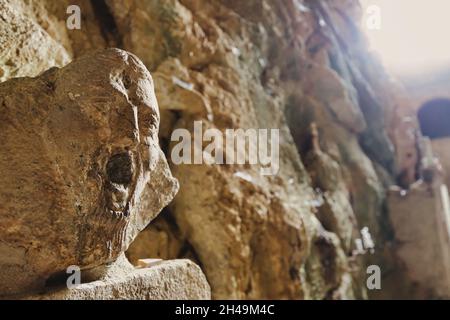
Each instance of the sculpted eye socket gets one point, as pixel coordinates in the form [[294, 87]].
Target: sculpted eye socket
[[120, 168]]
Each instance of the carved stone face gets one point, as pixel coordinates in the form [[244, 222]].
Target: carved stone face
[[84, 170]]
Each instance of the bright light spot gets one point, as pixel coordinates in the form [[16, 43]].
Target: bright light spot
[[414, 34]]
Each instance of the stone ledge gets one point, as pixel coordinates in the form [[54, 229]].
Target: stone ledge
[[169, 280]]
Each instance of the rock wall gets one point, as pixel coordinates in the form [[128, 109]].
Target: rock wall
[[297, 65], [424, 246]]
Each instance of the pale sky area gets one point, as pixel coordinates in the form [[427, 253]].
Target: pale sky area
[[414, 36]]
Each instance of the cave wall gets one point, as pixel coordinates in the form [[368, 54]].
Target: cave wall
[[299, 66]]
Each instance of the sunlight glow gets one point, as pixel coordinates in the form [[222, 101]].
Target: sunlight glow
[[414, 36]]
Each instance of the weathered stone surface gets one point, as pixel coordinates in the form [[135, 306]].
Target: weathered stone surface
[[82, 171], [32, 41], [421, 219], [259, 64], [244, 66], [169, 280], [252, 65], [441, 148]]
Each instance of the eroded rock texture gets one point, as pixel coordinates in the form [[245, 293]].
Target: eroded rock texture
[[272, 65], [82, 171], [297, 65], [169, 280]]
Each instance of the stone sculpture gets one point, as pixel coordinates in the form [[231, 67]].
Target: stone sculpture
[[81, 169]]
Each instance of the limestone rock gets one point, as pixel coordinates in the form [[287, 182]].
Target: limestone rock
[[243, 64], [82, 170], [170, 280], [421, 219], [331, 90], [442, 151], [32, 41], [247, 62]]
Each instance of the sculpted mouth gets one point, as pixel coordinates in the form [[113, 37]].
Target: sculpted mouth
[[120, 169], [120, 172], [119, 215]]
